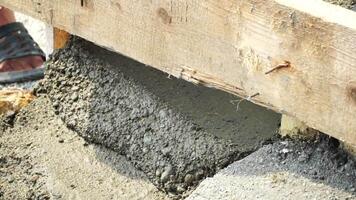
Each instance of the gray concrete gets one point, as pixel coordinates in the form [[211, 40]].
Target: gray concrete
[[175, 132], [285, 170]]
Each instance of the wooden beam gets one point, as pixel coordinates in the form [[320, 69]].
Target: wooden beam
[[60, 38], [297, 57], [293, 128]]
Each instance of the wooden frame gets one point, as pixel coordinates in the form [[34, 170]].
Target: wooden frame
[[297, 57]]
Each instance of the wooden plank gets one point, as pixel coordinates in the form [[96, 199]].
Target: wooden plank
[[293, 128], [307, 47], [13, 100], [60, 38]]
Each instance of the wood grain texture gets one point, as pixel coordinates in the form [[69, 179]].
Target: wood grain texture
[[230, 45], [60, 38]]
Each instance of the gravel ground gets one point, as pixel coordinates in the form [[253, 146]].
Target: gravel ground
[[286, 170], [344, 3], [38, 162]]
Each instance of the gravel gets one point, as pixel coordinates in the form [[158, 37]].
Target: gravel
[[286, 170]]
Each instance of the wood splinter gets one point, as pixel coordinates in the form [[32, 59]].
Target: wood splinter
[[280, 66]]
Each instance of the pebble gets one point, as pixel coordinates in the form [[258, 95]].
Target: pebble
[[147, 140], [158, 173], [285, 150], [165, 151], [75, 88], [199, 174], [56, 104], [188, 179], [167, 172], [34, 178], [74, 96], [303, 157], [180, 189], [11, 180]]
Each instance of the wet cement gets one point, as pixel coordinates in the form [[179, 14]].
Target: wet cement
[[175, 132]]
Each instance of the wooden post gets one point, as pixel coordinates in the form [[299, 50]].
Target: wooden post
[[60, 38], [294, 128]]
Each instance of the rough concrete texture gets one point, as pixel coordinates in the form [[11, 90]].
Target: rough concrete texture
[[286, 170], [98, 94], [40, 158], [344, 3]]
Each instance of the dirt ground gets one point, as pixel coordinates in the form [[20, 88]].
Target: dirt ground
[[40, 158]]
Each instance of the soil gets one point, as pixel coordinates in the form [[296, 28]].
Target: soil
[[40, 158], [286, 170], [140, 113]]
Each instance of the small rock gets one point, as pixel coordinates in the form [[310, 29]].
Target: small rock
[[158, 173], [180, 189], [61, 141], [188, 179], [199, 174], [167, 172], [286, 143], [303, 157], [34, 178], [11, 180], [75, 88], [165, 151], [147, 140], [74, 96], [57, 96], [10, 114], [285, 150], [56, 104]]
